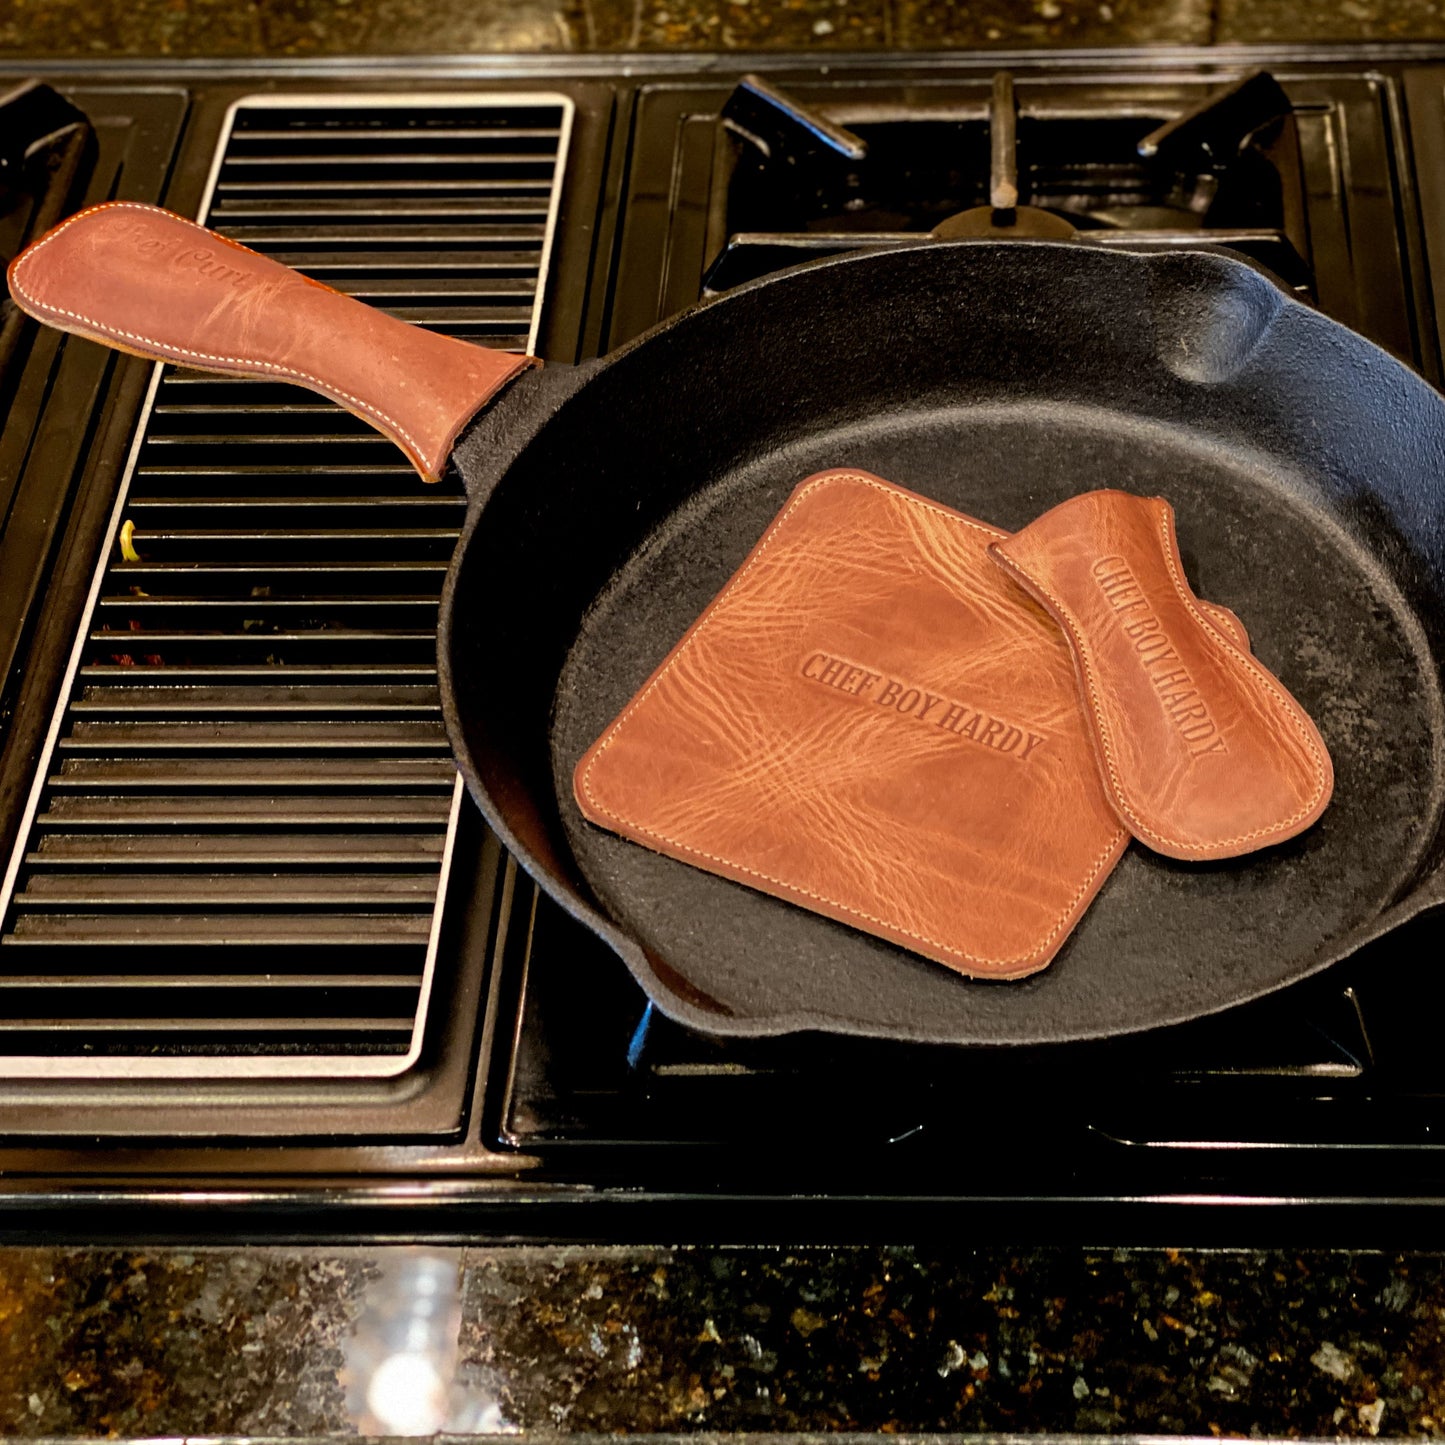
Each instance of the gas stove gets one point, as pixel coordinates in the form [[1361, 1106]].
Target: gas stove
[[261, 950]]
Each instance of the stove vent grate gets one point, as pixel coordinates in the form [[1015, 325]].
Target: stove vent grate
[[240, 827]]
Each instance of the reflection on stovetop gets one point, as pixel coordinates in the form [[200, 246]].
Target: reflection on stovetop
[[46, 148]]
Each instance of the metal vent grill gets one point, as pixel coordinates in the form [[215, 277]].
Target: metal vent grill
[[240, 828]]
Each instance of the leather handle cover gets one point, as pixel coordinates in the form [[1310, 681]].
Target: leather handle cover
[[1203, 753], [146, 281]]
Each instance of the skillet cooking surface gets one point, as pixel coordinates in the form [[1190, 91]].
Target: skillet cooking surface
[[1304, 466], [1164, 941]]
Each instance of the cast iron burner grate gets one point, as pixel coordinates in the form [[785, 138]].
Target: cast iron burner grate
[[799, 184]]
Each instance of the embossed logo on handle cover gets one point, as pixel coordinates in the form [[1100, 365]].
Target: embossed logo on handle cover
[[1203, 752]]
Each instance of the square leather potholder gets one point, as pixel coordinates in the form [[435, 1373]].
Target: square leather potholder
[[871, 720]]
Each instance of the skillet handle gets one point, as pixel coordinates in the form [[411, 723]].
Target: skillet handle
[[144, 280]]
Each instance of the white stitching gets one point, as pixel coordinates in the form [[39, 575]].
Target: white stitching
[[600, 747], [1290, 708], [174, 352]]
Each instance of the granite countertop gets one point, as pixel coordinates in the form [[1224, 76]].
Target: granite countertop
[[274, 1342], [96, 28]]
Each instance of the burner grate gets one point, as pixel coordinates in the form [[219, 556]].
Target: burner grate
[[795, 184], [240, 827]]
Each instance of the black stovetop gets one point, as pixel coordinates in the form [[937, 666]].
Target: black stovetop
[[580, 1089]]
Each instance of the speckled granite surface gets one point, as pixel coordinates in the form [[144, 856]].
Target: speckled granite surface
[[316, 27], [279, 1342]]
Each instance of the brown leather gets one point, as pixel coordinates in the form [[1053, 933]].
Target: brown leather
[[144, 280], [871, 721], [1226, 621], [1203, 752]]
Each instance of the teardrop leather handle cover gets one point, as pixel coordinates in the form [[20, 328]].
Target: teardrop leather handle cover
[[144, 280], [1203, 752]]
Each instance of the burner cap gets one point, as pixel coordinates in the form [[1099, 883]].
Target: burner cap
[[1021, 223]]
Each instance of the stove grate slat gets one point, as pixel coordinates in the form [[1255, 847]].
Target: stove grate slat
[[251, 756]]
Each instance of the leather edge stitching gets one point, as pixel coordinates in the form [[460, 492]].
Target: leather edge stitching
[[1038, 956], [430, 466]]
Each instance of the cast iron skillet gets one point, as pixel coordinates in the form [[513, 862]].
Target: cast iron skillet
[[611, 502]]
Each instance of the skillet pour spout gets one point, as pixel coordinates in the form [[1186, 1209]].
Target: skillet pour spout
[[995, 377]]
